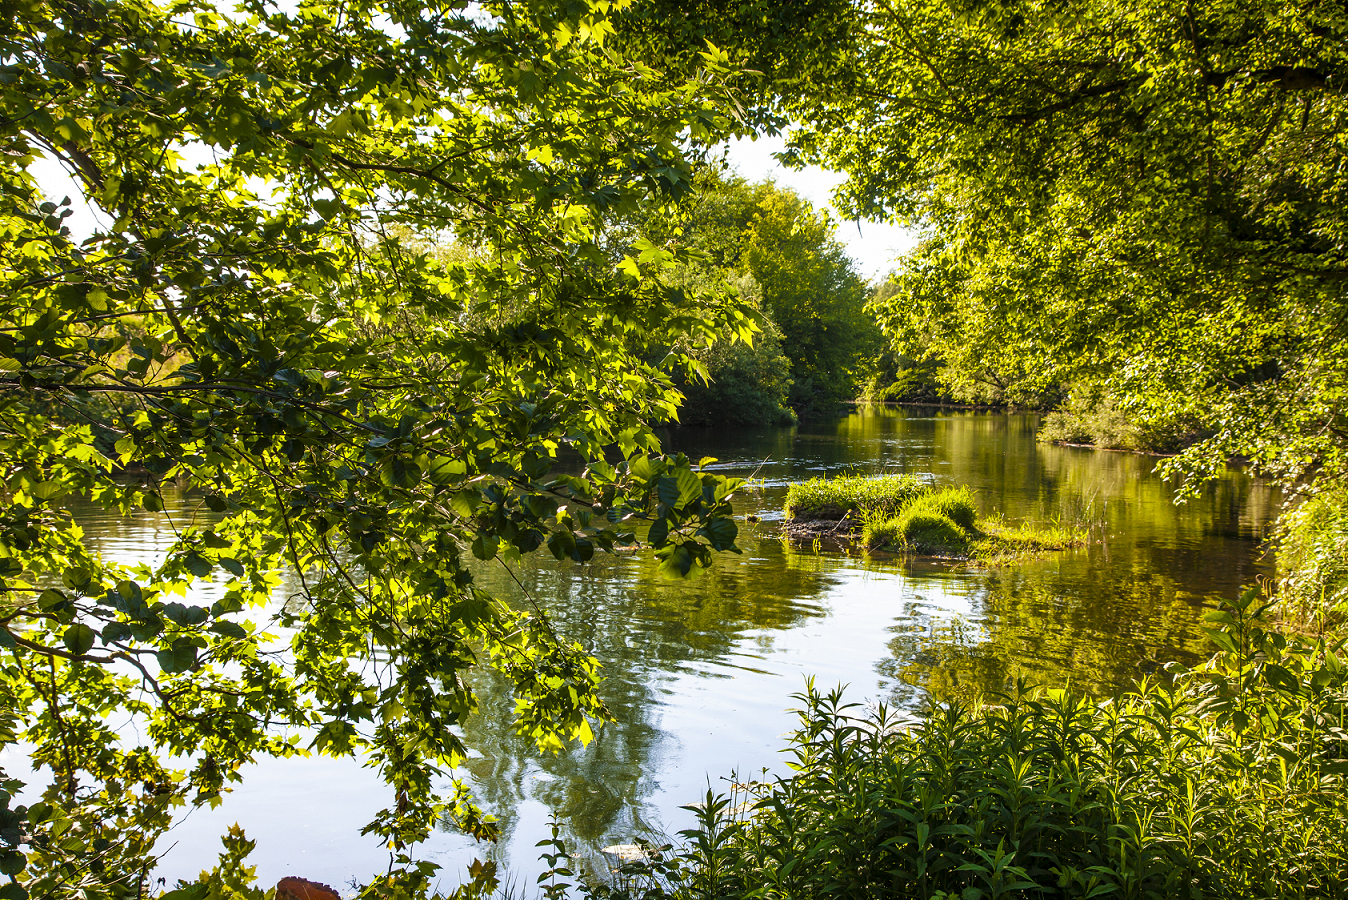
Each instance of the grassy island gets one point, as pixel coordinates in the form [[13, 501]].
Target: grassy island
[[904, 514]]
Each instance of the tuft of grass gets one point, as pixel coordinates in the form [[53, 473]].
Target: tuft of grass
[[1000, 543], [902, 514], [918, 530], [938, 522], [831, 499], [955, 504]]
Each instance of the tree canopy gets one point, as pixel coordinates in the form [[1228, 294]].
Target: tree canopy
[[1140, 193], [809, 285], [259, 318]]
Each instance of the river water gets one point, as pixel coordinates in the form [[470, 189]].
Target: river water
[[700, 674]]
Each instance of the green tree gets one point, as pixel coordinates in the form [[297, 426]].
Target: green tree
[[744, 384], [1132, 193], [273, 331], [809, 286]]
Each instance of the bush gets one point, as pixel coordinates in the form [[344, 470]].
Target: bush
[[1313, 557], [1226, 783], [833, 498], [1089, 416], [956, 504]]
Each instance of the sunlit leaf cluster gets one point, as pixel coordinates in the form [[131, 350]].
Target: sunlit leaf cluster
[[348, 292]]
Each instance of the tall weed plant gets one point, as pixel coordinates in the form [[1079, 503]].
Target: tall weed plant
[[1313, 559], [1226, 781]]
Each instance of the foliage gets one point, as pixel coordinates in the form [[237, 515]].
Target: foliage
[[1137, 193], [834, 498], [894, 376], [935, 521], [917, 529], [953, 503], [1313, 558], [745, 384], [809, 286], [380, 421], [1092, 416], [997, 543], [944, 522], [1227, 781]]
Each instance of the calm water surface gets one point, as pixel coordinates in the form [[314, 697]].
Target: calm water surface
[[700, 674]]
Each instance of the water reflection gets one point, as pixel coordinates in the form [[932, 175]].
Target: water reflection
[[698, 674]]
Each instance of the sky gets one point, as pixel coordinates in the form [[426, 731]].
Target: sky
[[873, 245]]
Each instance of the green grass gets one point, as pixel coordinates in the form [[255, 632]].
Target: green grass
[[830, 499], [902, 514], [937, 522], [1001, 543]]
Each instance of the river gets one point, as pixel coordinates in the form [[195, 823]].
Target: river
[[700, 674]]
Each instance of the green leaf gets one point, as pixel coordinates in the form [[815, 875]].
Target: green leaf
[[13, 891], [115, 632], [79, 638], [1281, 679], [229, 629], [690, 487], [562, 544], [667, 491], [446, 469], [399, 471], [180, 657], [721, 533], [678, 563], [197, 564], [215, 541], [12, 862], [485, 546]]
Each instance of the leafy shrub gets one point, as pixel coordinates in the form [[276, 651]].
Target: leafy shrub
[[1090, 416], [1227, 782], [1313, 556], [833, 498]]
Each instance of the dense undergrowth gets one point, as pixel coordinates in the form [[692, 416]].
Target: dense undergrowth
[[1227, 781], [1313, 560], [904, 514], [1088, 415]]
